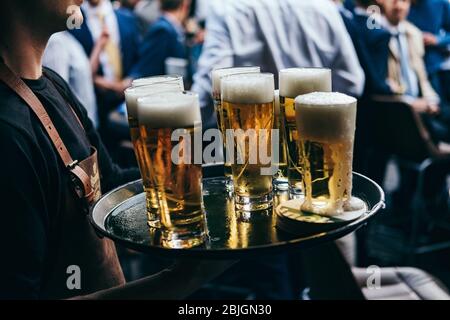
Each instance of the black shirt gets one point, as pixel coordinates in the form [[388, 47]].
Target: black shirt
[[33, 180]]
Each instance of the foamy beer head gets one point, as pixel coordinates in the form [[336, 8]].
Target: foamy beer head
[[255, 88], [159, 79], [170, 110], [326, 125], [134, 93], [218, 74], [326, 116], [298, 81]]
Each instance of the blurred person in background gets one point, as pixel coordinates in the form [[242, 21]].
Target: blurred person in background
[[164, 39], [147, 12], [433, 18], [407, 75], [276, 35], [363, 38], [129, 4], [119, 53], [66, 56]]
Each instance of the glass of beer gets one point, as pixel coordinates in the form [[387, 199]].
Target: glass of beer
[[131, 96], [222, 116], [169, 123], [248, 100], [326, 125], [295, 82], [158, 79], [280, 180]]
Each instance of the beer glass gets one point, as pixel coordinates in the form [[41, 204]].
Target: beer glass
[[280, 180], [222, 116], [169, 123], [326, 124], [248, 101], [131, 96], [295, 82], [158, 79]]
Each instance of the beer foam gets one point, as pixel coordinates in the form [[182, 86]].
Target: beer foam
[[218, 74], [170, 110], [326, 116], [248, 88], [134, 93], [298, 81], [158, 79]]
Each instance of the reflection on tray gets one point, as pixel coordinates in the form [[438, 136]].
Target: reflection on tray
[[122, 217]]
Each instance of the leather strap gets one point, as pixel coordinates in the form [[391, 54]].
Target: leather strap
[[23, 91]]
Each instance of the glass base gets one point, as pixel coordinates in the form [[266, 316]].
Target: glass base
[[177, 240], [281, 184], [153, 214], [248, 204], [295, 192], [229, 185], [154, 223], [153, 220]]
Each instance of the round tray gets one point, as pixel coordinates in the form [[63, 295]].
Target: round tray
[[121, 216]]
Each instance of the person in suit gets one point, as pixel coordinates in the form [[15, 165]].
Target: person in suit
[[117, 56], [406, 72], [432, 17], [164, 39], [362, 37]]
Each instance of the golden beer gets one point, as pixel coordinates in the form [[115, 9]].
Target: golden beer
[[281, 178], [326, 125], [222, 115], [248, 100], [177, 178], [132, 95], [295, 82]]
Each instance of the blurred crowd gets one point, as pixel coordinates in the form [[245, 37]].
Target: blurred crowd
[[393, 55]]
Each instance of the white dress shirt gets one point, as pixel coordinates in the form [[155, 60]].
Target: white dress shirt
[[94, 23], [276, 35], [65, 55]]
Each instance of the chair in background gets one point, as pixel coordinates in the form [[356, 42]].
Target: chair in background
[[330, 276], [400, 132]]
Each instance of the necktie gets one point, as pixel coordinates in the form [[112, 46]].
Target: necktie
[[409, 78], [112, 52]]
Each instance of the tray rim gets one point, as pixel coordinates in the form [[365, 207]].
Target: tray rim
[[297, 243]]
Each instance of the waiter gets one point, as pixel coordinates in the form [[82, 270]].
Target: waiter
[[52, 167]]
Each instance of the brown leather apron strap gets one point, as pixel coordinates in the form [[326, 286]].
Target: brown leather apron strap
[[22, 90]]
